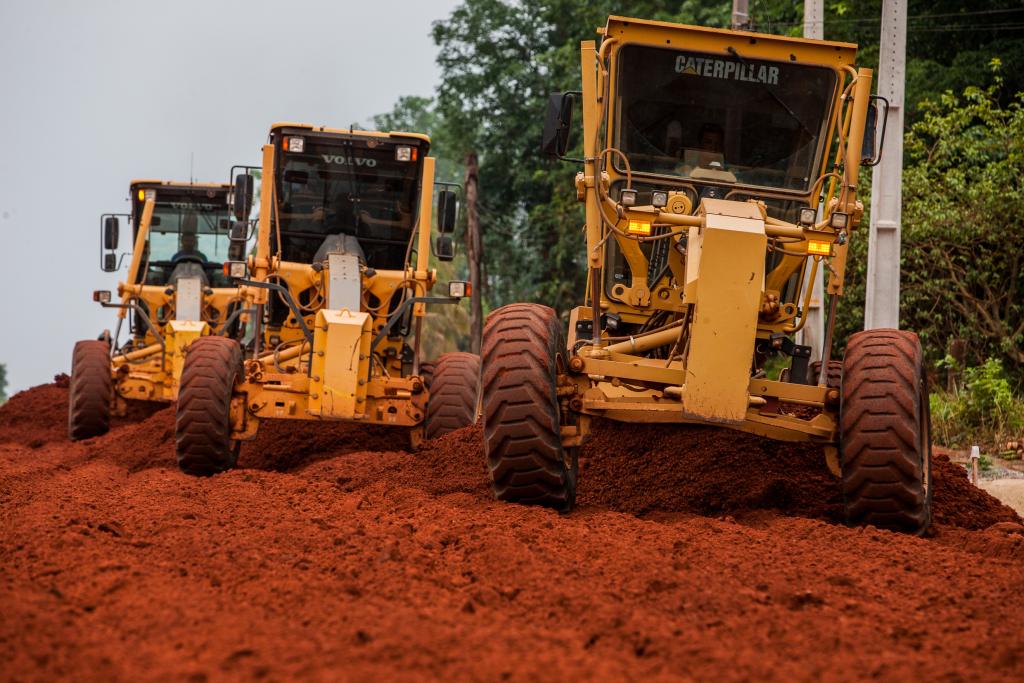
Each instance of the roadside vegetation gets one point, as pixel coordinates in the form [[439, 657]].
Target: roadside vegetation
[[982, 410]]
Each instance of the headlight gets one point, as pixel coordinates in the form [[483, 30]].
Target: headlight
[[808, 215], [458, 289], [235, 270], [102, 296], [405, 153], [294, 144], [839, 220], [659, 199], [627, 197]]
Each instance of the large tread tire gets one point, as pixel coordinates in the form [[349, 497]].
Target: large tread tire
[[833, 375], [454, 393], [427, 372], [522, 345], [885, 432], [91, 391], [213, 365]]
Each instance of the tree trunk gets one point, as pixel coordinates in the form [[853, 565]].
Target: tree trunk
[[474, 248], [954, 374]]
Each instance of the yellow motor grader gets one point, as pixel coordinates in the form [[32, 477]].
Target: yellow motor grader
[[175, 292], [706, 155], [339, 282]]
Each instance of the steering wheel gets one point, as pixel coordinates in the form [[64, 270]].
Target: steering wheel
[[189, 258]]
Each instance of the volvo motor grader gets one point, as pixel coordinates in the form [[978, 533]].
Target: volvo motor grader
[[175, 292], [706, 154], [339, 282]]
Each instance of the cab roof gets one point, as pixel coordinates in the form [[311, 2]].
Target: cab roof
[[747, 43], [349, 131], [178, 185]]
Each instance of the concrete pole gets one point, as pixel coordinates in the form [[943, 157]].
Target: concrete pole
[[813, 332], [882, 305], [740, 14]]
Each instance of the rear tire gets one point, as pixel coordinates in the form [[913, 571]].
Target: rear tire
[[91, 390], [522, 346], [213, 365], [833, 375], [454, 393], [885, 432], [427, 372]]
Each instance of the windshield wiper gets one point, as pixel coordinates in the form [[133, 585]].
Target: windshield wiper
[[731, 50]]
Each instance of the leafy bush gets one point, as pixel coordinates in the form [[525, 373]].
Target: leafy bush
[[984, 412]]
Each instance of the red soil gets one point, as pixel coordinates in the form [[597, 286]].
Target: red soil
[[334, 554]]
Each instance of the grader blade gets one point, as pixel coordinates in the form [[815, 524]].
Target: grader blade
[[725, 274]]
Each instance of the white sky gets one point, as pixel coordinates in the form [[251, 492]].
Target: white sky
[[93, 94]]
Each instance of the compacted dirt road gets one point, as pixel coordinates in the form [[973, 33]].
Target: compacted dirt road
[[696, 554]]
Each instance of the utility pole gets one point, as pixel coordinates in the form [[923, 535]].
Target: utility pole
[[882, 305], [740, 14], [813, 332], [474, 246]]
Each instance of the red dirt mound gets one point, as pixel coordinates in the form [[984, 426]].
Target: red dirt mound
[[407, 571], [35, 416], [648, 468], [652, 468], [40, 415], [449, 464], [958, 502], [283, 445]]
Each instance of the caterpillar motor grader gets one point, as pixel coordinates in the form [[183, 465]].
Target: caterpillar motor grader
[[706, 153], [339, 282], [175, 292]]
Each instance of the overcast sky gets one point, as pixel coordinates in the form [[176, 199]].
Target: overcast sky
[[93, 94]]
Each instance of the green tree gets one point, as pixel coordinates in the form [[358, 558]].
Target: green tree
[[3, 382], [963, 215], [446, 327]]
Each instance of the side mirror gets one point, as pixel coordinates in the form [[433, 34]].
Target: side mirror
[[237, 238], [446, 206], [111, 228], [444, 248], [557, 124], [239, 232], [243, 196], [874, 139], [109, 263]]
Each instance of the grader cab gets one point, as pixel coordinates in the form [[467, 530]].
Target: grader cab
[[339, 282], [175, 292], [720, 174]]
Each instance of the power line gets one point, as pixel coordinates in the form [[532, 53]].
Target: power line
[[875, 20]]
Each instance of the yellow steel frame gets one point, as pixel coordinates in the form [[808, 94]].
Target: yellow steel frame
[[280, 384], [610, 381], [152, 373]]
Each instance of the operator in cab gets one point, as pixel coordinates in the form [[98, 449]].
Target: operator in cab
[[188, 241]]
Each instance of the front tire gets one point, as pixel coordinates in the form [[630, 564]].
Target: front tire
[[885, 432], [522, 345], [213, 365], [91, 390]]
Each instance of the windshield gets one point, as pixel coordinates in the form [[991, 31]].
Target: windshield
[[724, 119], [188, 225], [357, 187]]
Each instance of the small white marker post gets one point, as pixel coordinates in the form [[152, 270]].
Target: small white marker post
[[975, 457]]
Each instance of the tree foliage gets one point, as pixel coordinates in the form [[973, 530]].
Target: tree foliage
[[3, 382], [963, 219]]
